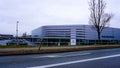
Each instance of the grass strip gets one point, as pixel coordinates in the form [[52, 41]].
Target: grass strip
[[23, 51]]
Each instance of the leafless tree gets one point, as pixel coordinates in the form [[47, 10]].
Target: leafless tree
[[98, 18], [40, 41], [24, 35]]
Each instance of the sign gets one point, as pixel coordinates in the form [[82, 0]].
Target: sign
[[73, 41]]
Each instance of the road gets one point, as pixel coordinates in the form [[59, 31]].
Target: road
[[105, 58]]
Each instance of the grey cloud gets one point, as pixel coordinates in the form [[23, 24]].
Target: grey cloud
[[36, 13]]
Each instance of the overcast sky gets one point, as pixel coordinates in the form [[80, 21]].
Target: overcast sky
[[35, 13]]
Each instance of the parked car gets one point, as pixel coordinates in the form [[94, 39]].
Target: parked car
[[14, 41]]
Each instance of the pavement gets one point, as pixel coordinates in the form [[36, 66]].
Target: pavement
[[104, 58]]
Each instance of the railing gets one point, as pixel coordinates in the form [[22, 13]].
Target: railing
[[80, 43]]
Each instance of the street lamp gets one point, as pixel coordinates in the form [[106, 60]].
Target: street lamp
[[17, 32]]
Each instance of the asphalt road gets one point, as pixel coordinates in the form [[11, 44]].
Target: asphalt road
[[106, 58]]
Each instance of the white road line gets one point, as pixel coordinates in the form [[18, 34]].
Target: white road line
[[58, 56], [76, 55], [78, 61]]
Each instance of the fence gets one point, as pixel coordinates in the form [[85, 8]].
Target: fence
[[79, 43]]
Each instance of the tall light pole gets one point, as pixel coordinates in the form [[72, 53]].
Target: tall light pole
[[17, 32]]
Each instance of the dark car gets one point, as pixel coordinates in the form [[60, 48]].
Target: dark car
[[19, 41]]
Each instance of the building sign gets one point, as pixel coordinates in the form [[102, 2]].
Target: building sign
[[73, 41]]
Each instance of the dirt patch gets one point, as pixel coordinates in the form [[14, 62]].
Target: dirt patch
[[22, 51]]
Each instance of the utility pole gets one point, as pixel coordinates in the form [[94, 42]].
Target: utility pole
[[17, 32]]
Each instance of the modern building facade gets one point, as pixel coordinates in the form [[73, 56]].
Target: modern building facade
[[74, 35]]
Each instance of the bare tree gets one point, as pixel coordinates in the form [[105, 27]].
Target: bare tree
[[98, 18], [24, 35], [40, 43]]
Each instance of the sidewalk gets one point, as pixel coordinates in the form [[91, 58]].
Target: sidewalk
[[34, 50]]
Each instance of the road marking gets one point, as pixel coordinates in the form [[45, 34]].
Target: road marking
[[58, 56], [78, 61], [76, 55]]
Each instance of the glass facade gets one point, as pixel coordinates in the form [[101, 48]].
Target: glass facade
[[82, 34]]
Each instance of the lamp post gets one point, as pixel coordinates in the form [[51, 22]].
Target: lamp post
[[17, 32]]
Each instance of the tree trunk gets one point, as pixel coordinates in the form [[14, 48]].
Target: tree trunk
[[39, 46], [99, 37]]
